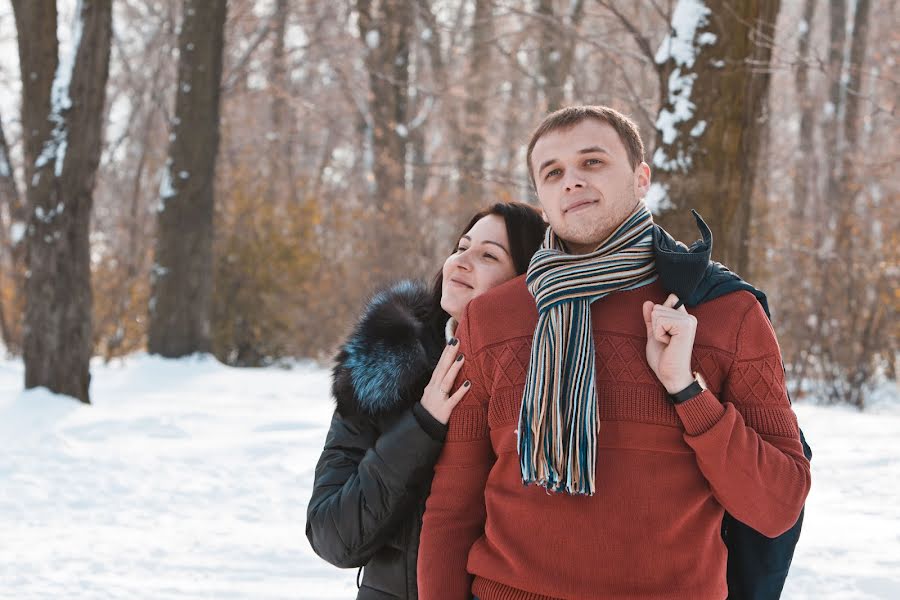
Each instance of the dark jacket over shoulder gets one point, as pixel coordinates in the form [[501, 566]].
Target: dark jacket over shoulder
[[375, 471]]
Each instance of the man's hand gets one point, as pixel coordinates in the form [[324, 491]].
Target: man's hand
[[670, 341]]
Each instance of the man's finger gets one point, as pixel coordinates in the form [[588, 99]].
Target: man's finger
[[660, 330], [671, 301], [647, 309]]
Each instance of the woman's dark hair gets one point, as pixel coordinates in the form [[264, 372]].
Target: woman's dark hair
[[525, 229]]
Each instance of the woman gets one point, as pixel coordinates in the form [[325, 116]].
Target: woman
[[393, 383]]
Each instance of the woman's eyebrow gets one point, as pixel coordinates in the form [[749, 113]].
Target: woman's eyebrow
[[498, 244]]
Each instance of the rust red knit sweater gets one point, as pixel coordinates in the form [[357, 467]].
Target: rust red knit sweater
[[664, 474]]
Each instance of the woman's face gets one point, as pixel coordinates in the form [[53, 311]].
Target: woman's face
[[481, 261]]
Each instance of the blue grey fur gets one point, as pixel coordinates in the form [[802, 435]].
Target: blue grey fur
[[389, 355]]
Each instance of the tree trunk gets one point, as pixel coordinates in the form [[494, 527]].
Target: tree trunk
[[62, 160], [181, 282], [835, 105], [13, 224], [475, 111], [282, 185], [708, 142], [557, 49], [385, 29], [805, 171]]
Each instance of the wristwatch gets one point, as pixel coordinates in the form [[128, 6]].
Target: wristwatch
[[696, 387]]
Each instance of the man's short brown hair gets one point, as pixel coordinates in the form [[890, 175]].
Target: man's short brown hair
[[566, 118]]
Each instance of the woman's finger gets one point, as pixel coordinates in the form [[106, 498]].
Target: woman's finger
[[452, 372], [453, 400], [447, 358]]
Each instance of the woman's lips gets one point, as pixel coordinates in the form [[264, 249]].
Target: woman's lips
[[462, 284]]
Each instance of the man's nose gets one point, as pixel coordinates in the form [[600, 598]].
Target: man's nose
[[573, 182]]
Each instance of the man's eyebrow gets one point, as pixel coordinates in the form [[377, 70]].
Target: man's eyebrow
[[588, 150], [545, 164], [593, 149]]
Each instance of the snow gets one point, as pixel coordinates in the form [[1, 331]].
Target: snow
[[373, 39], [16, 232], [166, 190], [657, 198], [187, 479], [5, 171], [55, 148], [682, 46], [687, 18], [698, 129]]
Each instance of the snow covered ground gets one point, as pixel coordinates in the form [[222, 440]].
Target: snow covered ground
[[187, 479]]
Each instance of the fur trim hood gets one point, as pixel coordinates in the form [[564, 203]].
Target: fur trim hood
[[388, 358]]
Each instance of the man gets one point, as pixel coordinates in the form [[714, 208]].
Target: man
[[632, 424]]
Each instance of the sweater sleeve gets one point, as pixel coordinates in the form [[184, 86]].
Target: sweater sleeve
[[748, 445], [455, 511], [364, 484]]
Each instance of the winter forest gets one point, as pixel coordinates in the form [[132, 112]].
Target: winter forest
[[237, 177], [190, 188]]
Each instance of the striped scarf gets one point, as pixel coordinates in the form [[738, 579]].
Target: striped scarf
[[558, 421]]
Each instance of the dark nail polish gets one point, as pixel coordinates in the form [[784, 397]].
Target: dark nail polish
[[466, 384], [459, 358], [453, 341]]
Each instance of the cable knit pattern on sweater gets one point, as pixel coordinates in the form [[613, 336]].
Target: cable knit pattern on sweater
[[665, 474]]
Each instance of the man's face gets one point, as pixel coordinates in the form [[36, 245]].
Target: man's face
[[585, 184]]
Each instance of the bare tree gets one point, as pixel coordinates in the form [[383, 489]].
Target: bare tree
[[182, 274], [283, 131], [385, 29], [805, 156], [62, 111], [557, 49], [475, 115], [714, 67], [13, 223]]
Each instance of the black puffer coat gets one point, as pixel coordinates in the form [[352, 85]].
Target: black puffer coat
[[375, 471]]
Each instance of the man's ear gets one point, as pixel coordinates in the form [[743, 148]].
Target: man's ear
[[641, 180]]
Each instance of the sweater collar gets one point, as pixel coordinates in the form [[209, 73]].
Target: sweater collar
[[450, 329]]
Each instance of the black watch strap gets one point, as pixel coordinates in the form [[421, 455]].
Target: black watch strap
[[687, 393]]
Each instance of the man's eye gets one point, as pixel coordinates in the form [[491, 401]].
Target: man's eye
[[552, 173], [593, 161]]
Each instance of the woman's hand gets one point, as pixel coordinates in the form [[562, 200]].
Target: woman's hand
[[439, 399]]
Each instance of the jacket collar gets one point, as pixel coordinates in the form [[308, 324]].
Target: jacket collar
[[689, 273]]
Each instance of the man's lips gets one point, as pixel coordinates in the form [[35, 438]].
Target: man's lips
[[461, 283], [578, 205]]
